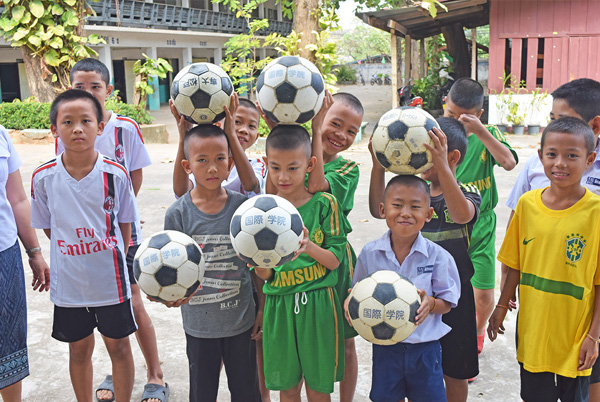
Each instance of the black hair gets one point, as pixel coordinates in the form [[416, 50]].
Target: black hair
[[456, 134], [350, 100], [287, 138], [88, 65], [574, 126], [409, 181], [73, 95], [249, 104], [582, 95], [202, 131], [467, 93]]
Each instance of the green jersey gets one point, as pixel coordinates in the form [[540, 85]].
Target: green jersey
[[342, 175], [327, 228], [477, 168]]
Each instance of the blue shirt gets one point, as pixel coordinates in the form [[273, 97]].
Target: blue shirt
[[428, 266], [9, 163]]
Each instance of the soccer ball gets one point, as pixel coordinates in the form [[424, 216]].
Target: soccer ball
[[398, 140], [167, 266], [266, 231], [290, 90], [201, 91], [383, 307]]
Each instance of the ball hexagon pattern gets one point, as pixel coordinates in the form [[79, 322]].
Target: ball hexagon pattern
[[167, 266], [201, 91], [290, 90], [266, 231], [383, 307], [398, 140]]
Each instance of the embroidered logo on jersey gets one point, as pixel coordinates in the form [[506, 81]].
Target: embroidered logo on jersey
[[317, 236], [435, 215], [109, 204], [120, 153], [483, 156], [447, 216], [575, 246]]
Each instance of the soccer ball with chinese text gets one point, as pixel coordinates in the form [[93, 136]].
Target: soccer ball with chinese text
[[201, 91], [266, 231], [167, 266], [290, 90], [383, 307], [398, 140]]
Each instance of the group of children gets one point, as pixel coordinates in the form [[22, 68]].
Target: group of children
[[277, 329]]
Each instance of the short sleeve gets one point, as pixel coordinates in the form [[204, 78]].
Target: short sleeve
[[502, 138], [343, 183], [8, 151], [334, 226], [138, 157], [40, 211], [360, 269], [173, 219], [472, 194], [127, 205], [521, 186], [509, 253]]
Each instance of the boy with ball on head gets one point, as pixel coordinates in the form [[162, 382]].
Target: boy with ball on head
[[412, 368], [85, 204], [455, 210], [303, 332], [552, 249]]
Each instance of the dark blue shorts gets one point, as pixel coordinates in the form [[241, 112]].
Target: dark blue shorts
[[406, 370]]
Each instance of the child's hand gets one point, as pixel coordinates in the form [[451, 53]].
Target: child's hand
[[183, 126], [439, 150], [472, 123], [495, 323], [270, 123], [376, 164], [303, 244], [230, 117], [346, 303], [426, 306], [317, 121], [587, 354], [257, 330], [262, 273], [176, 303]]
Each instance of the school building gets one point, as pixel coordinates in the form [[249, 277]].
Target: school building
[[180, 31]]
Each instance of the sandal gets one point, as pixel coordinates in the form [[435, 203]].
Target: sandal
[[156, 391], [107, 385]]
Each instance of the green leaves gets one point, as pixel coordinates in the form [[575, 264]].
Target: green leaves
[[18, 12], [37, 8]]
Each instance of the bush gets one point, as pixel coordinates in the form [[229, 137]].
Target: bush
[[345, 74], [136, 112], [19, 115], [263, 129]]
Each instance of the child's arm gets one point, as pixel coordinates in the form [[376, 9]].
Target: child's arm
[[48, 233], [589, 348], [321, 255], [258, 323], [244, 168], [270, 123], [499, 151], [512, 303], [316, 178], [126, 234], [181, 180], [264, 273], [430, 305], [495, 325], [137, 176], [377, 184], [461, 210]]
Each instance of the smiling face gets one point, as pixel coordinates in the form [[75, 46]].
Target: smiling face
[[405, 209], [246, 125], [340, 126], [208, 159], [287, 170], [91, 82], [77, 125], [565, 159]]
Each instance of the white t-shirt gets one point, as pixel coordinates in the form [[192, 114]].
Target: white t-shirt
[[234, 183], [532, 177], [9, 163], [122, 141], [88, 267]]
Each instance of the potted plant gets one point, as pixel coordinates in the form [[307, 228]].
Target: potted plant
[[502, 102], [536, 103], [516, 117]]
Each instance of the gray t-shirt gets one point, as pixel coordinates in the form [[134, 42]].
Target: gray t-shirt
[[223, 306]]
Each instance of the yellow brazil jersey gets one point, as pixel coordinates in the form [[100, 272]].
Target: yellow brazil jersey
[[558, 254]]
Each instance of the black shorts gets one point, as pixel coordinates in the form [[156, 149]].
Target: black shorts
[[595, 376], [459, 346], [72, 324], [550, 387], [129, 259]]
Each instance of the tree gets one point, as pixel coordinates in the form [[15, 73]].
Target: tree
[[364, 42], [51, 37], [146, 72]]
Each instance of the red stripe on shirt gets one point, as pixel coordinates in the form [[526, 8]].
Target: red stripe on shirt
[[135, 124], [108, 235], [36, 172], [117, 165]]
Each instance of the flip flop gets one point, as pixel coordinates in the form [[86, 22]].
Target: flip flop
[[107, 385], [156, 391]]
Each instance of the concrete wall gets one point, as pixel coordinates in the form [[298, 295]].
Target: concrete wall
[[524, 100]]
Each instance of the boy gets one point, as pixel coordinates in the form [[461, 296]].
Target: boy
[[219, 318], [303, 322], [552, 249], [487, 147], [455, 210], [411, 369], [122, 141], [334, 130], [85, 204]]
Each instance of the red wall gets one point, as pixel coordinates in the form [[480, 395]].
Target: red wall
[[571, 41]]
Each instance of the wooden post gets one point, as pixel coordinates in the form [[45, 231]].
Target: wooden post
[[407, 59], [394, 40], [423, 61], [474, 53]]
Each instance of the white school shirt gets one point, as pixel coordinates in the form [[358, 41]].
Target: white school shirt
[[122, 141], [9, 163], [88, 267], [234, 183], [428, 266], [532, 177]]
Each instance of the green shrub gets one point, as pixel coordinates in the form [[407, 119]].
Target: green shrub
[[345, 74], [19, 115], [263, 129], [136, 112]]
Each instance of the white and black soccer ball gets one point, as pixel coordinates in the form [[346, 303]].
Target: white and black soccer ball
[[266, 231], [383, 307], [398, 140], [167, 266], [290, 90], [201, 91]]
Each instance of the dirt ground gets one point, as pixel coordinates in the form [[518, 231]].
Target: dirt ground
[[49, 379]]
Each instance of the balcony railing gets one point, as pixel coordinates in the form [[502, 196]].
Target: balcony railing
[[161, 16]]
